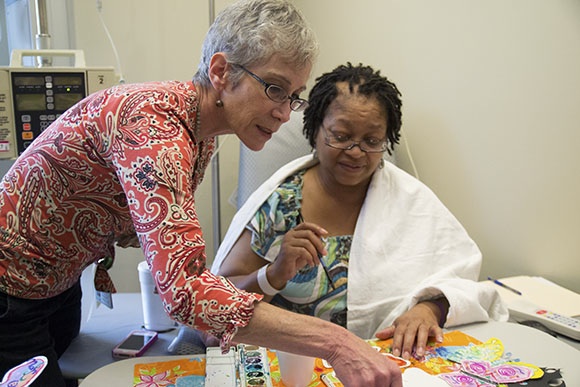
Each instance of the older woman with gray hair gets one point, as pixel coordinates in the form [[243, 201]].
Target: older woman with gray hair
[[122, 166]]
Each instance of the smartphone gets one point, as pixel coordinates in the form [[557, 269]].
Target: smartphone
[[135, 344]]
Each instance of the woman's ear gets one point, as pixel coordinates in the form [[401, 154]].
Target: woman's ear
[[218, 67]]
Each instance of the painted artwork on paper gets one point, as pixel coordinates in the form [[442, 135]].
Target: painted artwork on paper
[[187, 372], [459, 361], [482, 374], [463, 361], [24, 374]]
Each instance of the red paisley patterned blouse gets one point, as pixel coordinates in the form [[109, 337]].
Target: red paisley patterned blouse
[[121, 161]]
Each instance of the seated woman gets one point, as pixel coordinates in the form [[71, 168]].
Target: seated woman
[[346, 236]]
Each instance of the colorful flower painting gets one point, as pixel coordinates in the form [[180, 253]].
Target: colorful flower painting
[[186, 372]]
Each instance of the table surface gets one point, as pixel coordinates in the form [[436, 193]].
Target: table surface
[[105, 329], [527, 344], [91, 351]]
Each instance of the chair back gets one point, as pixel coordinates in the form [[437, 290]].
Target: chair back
[[255, 167]]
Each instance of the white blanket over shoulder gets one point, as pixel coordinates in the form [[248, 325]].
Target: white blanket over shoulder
[[407, 247]]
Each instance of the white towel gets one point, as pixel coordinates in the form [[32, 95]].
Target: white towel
[[407, 247]]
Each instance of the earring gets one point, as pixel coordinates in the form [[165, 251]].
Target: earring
[[315, 154], [382, 163], [219, 103]]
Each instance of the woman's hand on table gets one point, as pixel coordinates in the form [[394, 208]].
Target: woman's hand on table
[[412, 330]]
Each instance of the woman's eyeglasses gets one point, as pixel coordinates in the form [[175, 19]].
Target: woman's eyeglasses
[[277, 93], [345, 142]]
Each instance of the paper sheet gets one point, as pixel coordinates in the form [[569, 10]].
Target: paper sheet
[[542, 292]]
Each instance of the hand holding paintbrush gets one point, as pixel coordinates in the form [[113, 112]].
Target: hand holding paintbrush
[[301, 247], [301, 220]]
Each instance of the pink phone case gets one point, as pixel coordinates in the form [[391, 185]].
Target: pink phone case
[[134, 344]]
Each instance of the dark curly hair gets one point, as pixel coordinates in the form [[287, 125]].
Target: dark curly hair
[[370, 83]]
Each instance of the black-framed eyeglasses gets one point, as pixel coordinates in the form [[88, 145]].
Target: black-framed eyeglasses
[[345, 142], [277, 93]]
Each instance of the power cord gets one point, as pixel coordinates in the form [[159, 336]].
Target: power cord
[[222, 141], [99, 9], [410, 155]]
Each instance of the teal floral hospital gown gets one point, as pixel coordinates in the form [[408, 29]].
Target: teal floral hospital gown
[[309, 292]]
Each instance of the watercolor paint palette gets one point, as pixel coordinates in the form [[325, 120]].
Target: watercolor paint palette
[[243, 366], [253, 366]]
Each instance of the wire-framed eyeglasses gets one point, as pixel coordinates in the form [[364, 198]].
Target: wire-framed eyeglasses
[[277, 93], [345, 142]]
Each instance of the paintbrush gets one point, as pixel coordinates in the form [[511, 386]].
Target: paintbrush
[[301, 220], [475, 376]]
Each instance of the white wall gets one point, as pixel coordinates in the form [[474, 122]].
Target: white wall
[[491, 97], [491, 91]]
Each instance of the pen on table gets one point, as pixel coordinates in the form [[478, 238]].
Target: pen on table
[[497, 282], [301, 220]]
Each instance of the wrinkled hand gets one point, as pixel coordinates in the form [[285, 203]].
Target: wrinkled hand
[[300, 247], [412, 330], [356, 363]]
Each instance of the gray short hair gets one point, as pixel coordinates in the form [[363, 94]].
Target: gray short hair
[[250, 32]]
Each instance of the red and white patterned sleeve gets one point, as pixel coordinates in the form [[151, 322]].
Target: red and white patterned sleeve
[[159, 166]]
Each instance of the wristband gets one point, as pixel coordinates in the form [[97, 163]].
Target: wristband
[[264, 284]]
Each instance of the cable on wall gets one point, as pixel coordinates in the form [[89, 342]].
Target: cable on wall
[[99, 8], [410, 155]]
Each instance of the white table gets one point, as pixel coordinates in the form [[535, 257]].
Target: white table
[[103, 331], [106, 328], [525, 343]]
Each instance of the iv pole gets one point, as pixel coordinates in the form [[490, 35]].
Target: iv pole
[[43, 41]]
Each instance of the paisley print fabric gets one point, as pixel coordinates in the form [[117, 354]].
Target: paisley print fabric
[[309, 292], [123, 162]]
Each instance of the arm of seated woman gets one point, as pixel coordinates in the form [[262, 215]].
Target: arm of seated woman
[[300, 247], [242, 264]]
